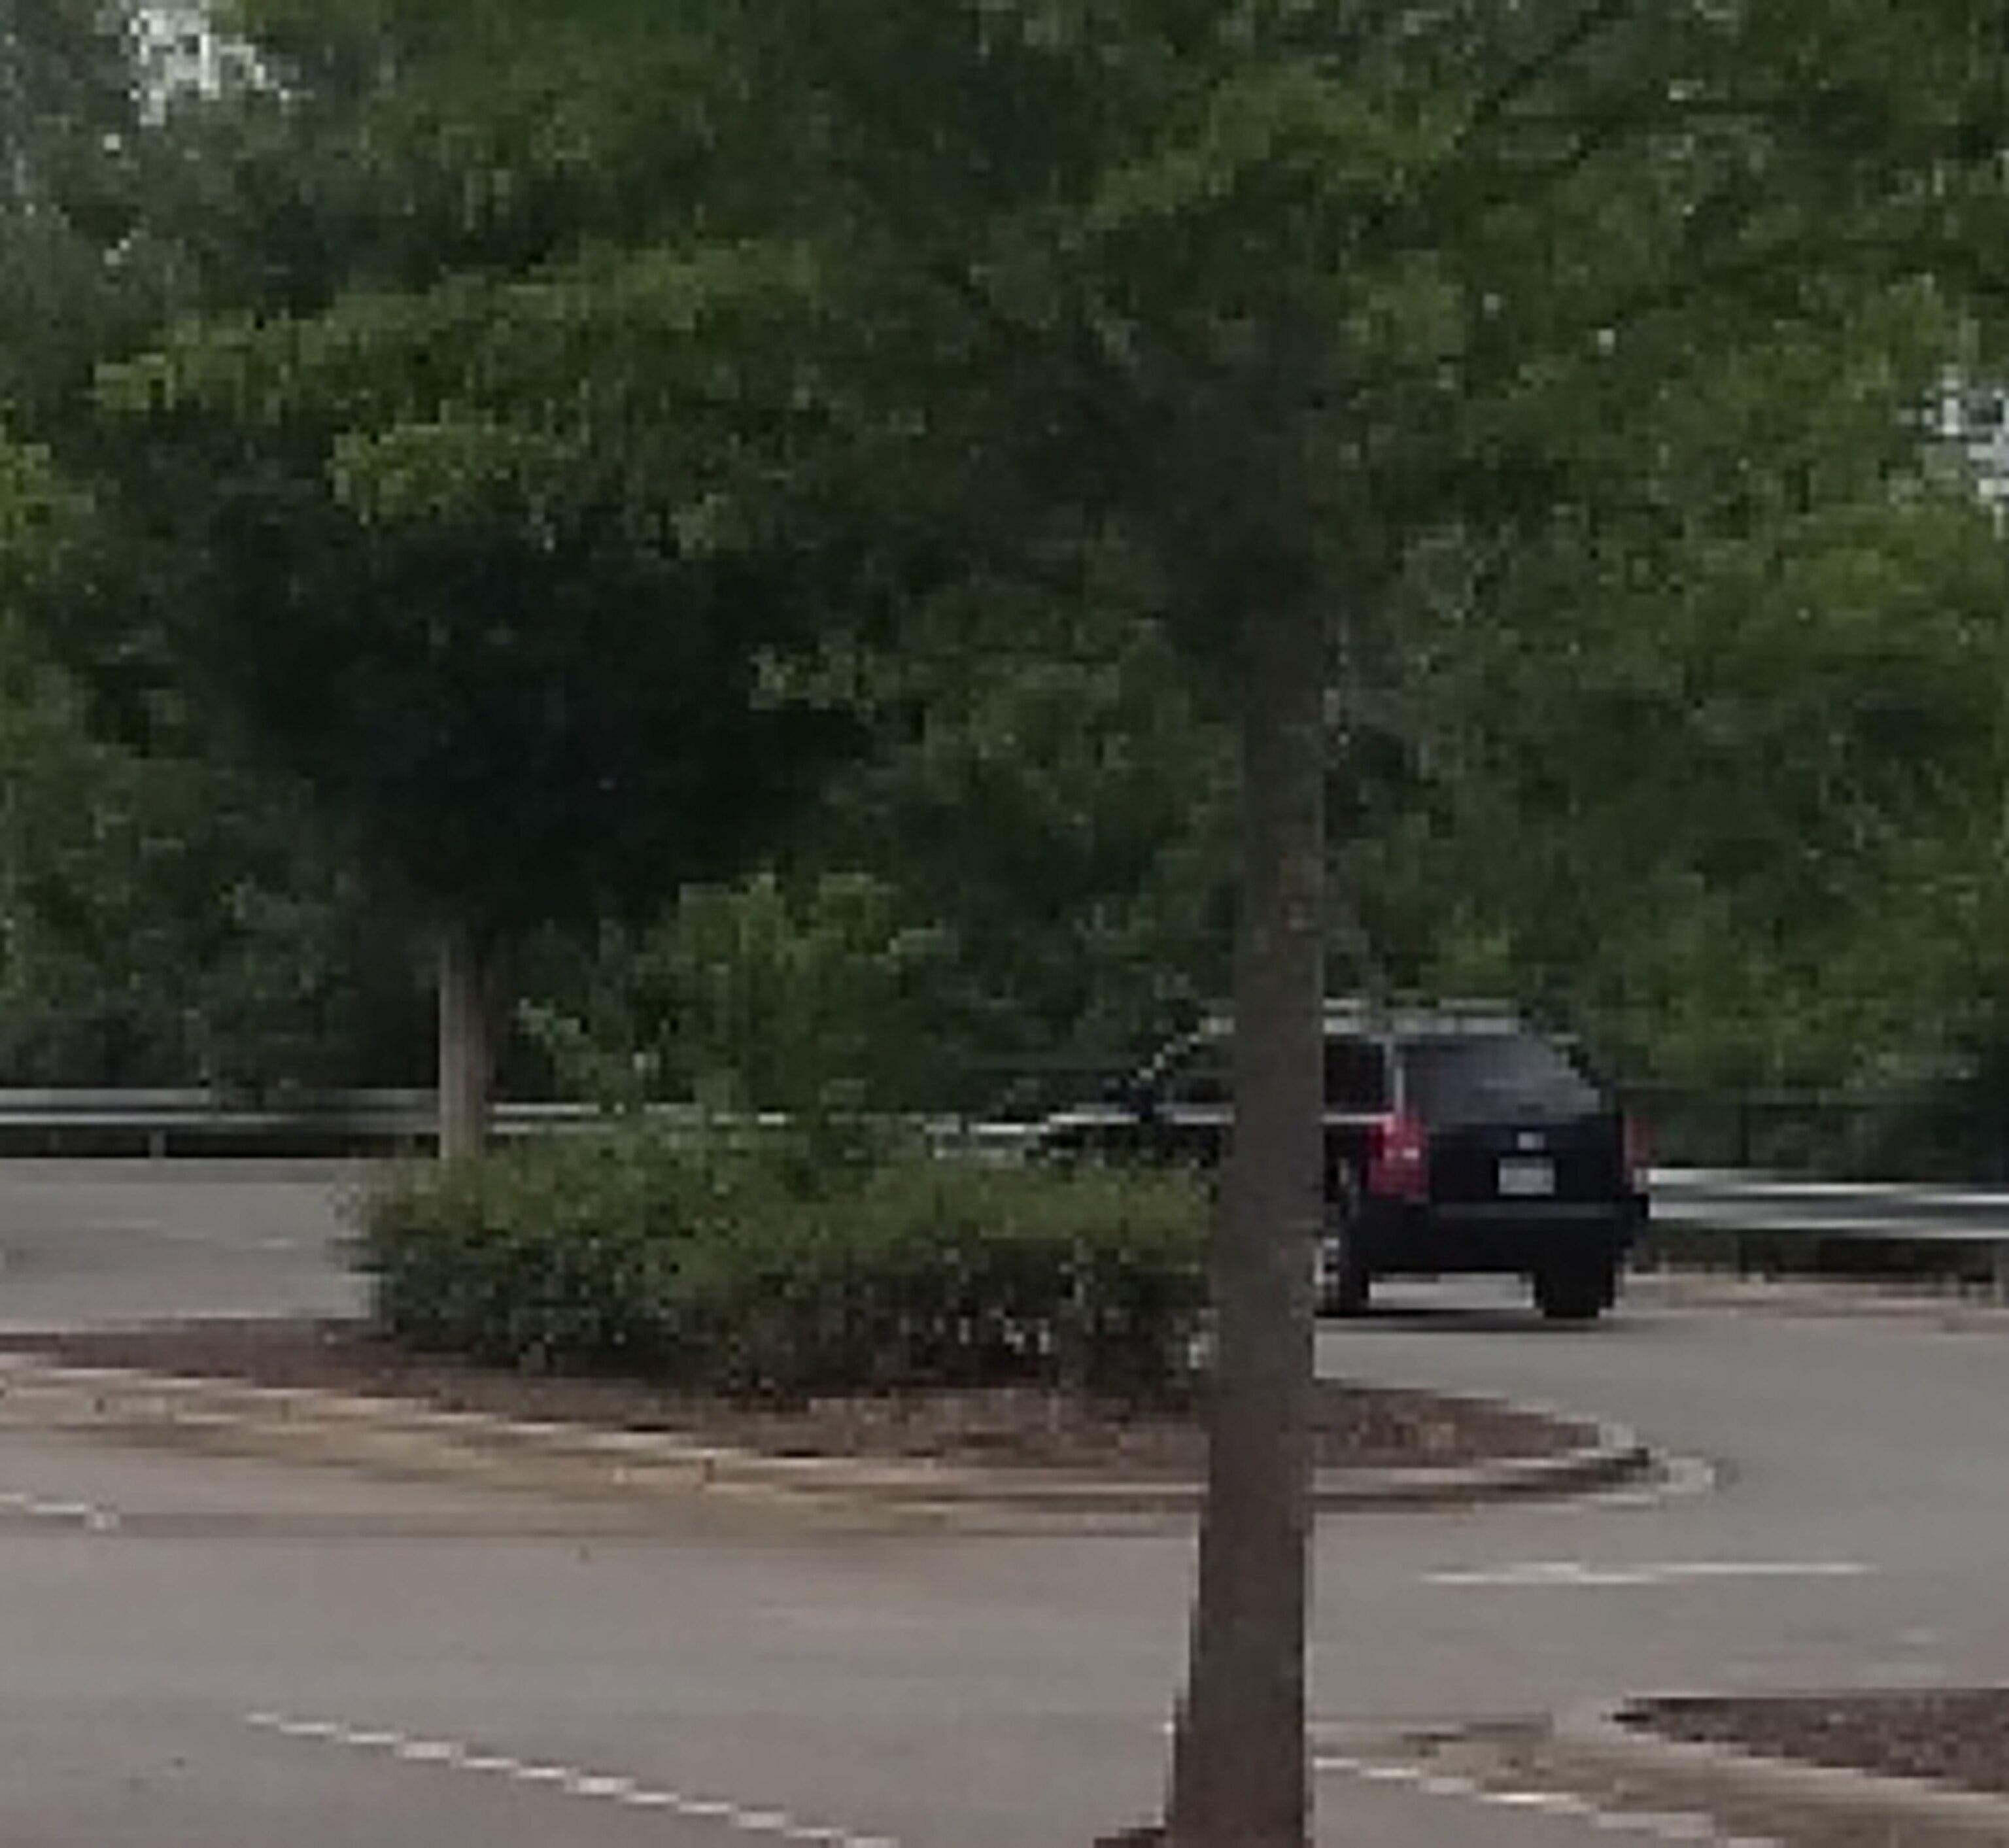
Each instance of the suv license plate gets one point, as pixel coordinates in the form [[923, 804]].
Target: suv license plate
[[1527, 1179]]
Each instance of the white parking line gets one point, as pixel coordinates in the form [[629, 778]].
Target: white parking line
[[86, 1515], [1657, 1825], [1580, 1575], [568, 1780]]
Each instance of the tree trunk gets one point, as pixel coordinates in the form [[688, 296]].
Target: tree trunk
[[469, 965], [1240, 1771]]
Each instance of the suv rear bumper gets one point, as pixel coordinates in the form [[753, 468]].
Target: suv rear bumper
[[1513, 1238]]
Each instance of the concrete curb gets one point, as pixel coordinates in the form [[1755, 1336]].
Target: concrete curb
[[1900, 1810], [1818, 1298], [312, 1426]]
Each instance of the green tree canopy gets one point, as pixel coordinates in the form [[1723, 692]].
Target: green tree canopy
[[475, 499]]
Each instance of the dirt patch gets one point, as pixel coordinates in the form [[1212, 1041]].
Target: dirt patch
[[1959, 1737], [1355, 1426]]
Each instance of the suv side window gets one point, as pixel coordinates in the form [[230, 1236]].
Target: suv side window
[[1356, 1076]]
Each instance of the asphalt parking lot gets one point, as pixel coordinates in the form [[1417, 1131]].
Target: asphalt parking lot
[[220, 1650]]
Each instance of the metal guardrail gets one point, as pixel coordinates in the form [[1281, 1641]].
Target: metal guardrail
[[193, 1122], [1743, 1203], [1873, 1209], [161, 1124], [166, 1123]]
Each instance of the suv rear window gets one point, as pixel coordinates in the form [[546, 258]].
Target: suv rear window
[[1468, 1079]]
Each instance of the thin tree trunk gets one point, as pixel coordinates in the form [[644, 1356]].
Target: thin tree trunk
[[468, 969], [1240, 1774]]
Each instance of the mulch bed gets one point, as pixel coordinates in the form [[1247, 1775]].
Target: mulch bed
[[1959, 1737], [1355, 1426]]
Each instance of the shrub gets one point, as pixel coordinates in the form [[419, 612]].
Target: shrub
[[794, 1266]]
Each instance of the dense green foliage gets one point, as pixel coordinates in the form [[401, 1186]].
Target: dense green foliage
[[433, 461], [167, 915], [548, 438], [169, 921], [451, 495], [786, 1269]]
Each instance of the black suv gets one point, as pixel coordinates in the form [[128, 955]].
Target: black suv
[[1459, 1139]]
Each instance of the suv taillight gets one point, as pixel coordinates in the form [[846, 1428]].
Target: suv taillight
[[1398, 1158], [1639, 1151]]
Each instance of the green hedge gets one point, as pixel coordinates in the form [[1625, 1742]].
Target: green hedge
[[794, 1268]]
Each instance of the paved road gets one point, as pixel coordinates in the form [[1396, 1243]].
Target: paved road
[[217, 1651], [111, 1242]]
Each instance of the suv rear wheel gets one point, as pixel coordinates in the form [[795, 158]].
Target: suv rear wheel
[[1577, 1291]]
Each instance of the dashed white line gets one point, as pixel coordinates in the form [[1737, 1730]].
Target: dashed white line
[[1368, 1771], [486, 1764], [608, 1789], [214, 1241], [1556, 1802], [1678, 1477], [1582, 1575], [556, 1777], [1438, 1783], [1657, 1825], [1674, 1826], [86, 1515], [568, 1780]]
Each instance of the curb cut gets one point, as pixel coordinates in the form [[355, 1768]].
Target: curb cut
[[1908, 1810], [308, 1425]]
